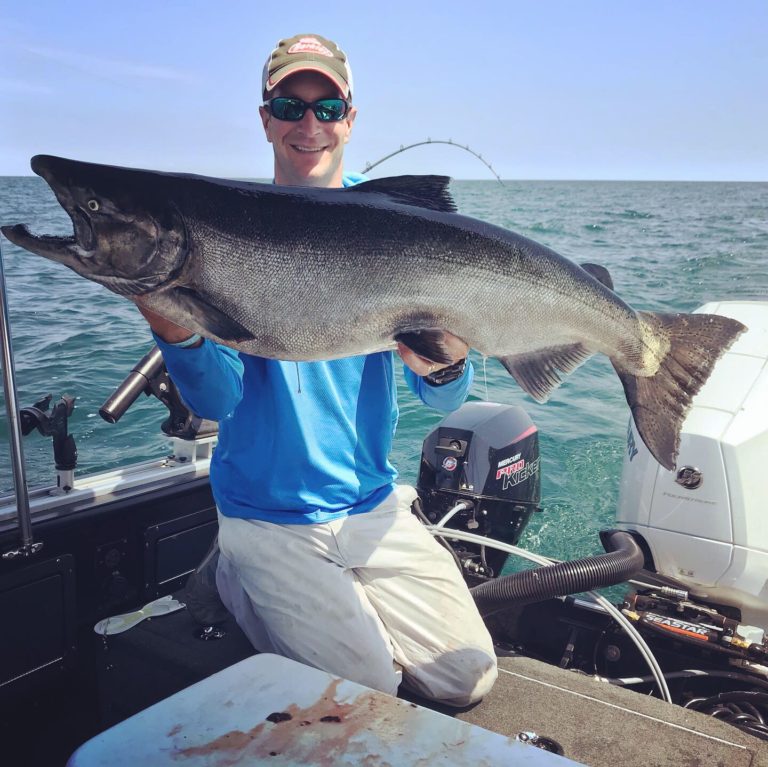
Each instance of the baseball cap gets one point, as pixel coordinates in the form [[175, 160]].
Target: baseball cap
[[307, 53]]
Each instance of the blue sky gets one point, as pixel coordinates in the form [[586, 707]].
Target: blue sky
[[549, 89]]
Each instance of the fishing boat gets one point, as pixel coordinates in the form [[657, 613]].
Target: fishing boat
[[115, 650]]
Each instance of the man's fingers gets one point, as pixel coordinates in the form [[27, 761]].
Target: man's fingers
[[167, 330], [423, 366], [420, 365]]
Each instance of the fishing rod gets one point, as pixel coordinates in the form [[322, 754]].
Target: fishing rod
[[450, 142]]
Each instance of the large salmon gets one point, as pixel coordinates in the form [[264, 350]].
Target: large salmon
[[301, 274]]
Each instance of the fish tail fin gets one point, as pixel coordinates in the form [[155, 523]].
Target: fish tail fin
[[688, 347]]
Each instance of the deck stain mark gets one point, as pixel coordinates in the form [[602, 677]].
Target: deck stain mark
[[363, 725], [279, 716]]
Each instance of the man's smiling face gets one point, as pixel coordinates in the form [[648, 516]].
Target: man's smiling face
[[307, 152]]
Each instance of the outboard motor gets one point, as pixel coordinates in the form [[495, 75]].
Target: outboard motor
[[480, 473], [702, 524]]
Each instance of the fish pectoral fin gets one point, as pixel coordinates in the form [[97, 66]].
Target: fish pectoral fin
[[208, 316], [600, 273], [537, 373], [429, 192], [428, 343]]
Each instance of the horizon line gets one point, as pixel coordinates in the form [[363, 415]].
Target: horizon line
[[491, 180]]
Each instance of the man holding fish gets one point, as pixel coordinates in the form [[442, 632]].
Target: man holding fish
[[321, 558], [297, 287]]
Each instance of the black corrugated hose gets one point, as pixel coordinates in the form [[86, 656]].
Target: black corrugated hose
[[624, 560]]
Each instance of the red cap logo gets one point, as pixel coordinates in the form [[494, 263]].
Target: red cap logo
[[310, 45]]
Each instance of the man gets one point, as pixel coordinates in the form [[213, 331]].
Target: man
[[321, 559]]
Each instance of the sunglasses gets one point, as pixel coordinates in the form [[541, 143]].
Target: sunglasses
[[292, 110]]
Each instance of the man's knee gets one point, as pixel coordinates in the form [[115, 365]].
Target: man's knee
[[458, 678], [470, 679]]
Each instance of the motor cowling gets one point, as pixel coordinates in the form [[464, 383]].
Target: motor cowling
[[485, 455], [703, 523]]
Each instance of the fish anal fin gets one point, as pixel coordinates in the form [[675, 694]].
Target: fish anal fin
[[600, 273], [429, 192], [660, 403], [427, 343], [538, 373], [207, 316]]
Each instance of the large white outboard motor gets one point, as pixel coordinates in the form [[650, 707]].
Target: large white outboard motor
[[706, 524]]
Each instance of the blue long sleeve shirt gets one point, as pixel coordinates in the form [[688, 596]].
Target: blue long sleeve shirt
[[300, 442]]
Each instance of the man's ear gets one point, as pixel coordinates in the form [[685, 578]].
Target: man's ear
[[266, 117], [350, 119]]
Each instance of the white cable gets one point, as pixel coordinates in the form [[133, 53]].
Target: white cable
[[631, 631], [621, 681], [460, 506]]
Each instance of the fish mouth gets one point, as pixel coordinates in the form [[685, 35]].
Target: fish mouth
[[64, 249], [56, 248], [116, 241]]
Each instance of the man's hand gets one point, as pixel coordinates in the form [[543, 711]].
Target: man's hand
[[167, 330], [422, 366]]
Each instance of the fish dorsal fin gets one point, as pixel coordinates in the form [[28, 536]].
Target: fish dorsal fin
[[538, 372], [429, 192], [600, 273]]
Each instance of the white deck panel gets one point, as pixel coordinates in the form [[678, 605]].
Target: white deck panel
[[270, 710]]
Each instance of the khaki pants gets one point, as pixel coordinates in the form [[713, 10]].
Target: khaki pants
[[362, 598]]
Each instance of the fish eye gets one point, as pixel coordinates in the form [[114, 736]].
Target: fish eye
[[93, 205]]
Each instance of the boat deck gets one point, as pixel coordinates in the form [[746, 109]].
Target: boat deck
[[599, 724]]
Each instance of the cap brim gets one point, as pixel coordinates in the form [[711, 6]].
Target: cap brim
[[305, 66]]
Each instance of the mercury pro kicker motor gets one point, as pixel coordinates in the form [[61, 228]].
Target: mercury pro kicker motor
[[480, 473]]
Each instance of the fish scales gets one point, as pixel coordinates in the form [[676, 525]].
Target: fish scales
[[450, 279]]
